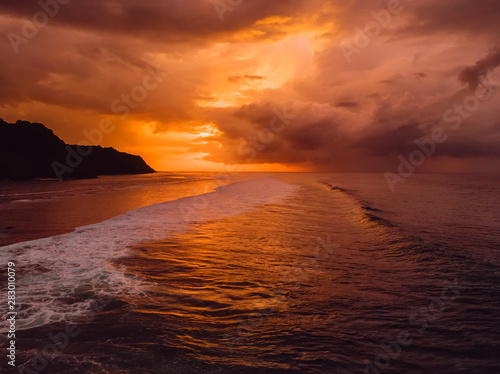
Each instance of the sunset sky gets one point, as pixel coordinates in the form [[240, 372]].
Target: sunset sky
[[290, 85]]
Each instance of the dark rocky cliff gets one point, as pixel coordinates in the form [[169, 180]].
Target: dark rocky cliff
[[31, 150]]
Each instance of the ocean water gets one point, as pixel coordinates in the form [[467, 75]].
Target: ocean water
[[254, 273]]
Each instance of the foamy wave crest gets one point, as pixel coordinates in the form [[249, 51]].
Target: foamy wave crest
[[58, 278]]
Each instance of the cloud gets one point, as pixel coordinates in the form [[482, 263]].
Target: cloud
[[178, 21], [245, 78], [471, 75], [232, 75], [471, 18]]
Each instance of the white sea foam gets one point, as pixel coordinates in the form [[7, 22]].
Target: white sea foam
[[58, 277], [30, 200]]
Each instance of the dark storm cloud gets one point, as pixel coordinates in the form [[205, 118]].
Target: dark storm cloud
[[463, 17], [348, 104], [245, 78], [472, 74], [384, 141], [465, 149], [309, 134], [173, 20]]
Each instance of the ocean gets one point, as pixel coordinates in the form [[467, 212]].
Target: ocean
[[253, 273]]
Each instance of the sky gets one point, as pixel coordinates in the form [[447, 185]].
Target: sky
[[262, 85]]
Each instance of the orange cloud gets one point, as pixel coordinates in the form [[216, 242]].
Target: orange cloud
[[225, 79]]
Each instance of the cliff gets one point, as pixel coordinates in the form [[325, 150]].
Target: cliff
[[31, 150]]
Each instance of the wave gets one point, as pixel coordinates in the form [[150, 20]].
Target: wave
[[34, 193], [30, 200], [369, 212], [397, 238], [58, 277]]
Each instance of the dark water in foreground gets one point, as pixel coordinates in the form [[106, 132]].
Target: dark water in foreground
[[269, 275]]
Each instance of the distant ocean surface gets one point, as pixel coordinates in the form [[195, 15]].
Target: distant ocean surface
[[254, 273]]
